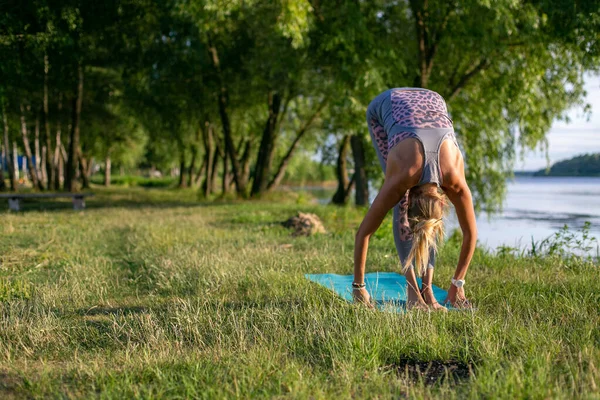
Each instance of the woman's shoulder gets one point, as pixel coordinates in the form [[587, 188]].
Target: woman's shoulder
[[451, 164]]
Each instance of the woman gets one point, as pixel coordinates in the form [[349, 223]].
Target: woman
[[414, 139]]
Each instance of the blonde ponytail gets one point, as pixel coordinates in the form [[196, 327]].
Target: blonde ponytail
[[425, 215]]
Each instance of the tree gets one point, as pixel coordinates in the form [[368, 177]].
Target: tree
[[233, 90], [7, 149], [241, 40], [74, 151], [507, 71], [345, 185]]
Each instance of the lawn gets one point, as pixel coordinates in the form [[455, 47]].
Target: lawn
[[151, 293]]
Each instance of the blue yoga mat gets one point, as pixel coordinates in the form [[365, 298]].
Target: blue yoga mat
[[387, 289]]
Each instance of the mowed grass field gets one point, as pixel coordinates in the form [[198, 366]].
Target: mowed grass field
[[154, 294]]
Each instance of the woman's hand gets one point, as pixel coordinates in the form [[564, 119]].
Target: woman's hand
[[362, 296], [456, 297]]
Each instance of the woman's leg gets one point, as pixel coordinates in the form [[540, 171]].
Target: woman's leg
[[402, 237], [427, 282], [403, 241]]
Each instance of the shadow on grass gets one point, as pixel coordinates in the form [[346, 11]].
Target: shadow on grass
[[431, 372], [101, 310], [105, 311], [57, 205], [134, 198], [10, 384], [139, 197], [97, 204]]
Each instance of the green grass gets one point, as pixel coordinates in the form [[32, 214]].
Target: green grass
[[153, 294]]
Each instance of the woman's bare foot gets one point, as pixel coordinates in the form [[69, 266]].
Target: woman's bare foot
[[416, 305], [430, 300], [414, 299]]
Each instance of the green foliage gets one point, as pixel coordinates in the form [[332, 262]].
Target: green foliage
[[303, 169], [584, 165], [111, 129], [567, 245], [159, 72], [507, 70], [294, 20]]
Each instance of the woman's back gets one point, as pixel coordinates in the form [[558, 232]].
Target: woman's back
[[409, 156]]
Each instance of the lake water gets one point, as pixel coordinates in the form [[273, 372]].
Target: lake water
[[537, 207], [534, 209]]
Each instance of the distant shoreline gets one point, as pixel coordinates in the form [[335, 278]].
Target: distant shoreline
[[585, 165], [529, 174], [535, 174]]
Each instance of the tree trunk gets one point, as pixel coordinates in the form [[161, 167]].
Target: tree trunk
[[30, 162], [2, 162], [59, 162], [200, 173], [288, 156], [209, 157], [36, 146], [182, 182], [85, 167], [24, 171], [107, 166], [342, 194], [49, 165], [226, 181], [63, 151], [422, 79], [72, 159], [213, 173], [246, 161], [264, 159], [229, 146], [192, 169], [10, 165], [43, 173], [191, 172], [26, 146], [90, 167], [360, 174], [15, 160]]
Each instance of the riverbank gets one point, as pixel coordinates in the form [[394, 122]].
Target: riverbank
[[535, 208], [154, 294]]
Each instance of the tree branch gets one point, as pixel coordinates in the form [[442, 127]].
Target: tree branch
[[437, 38], [421, 79], [349, 188], [286, 159], [223, 103], [483, 64]]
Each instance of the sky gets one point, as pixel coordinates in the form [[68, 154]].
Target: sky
[[581, 135]]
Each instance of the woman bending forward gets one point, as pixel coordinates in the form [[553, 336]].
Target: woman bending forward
[[414, 139]]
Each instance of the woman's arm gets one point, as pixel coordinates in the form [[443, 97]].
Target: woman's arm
[[390, 194], [458, 192], [463, 204]]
